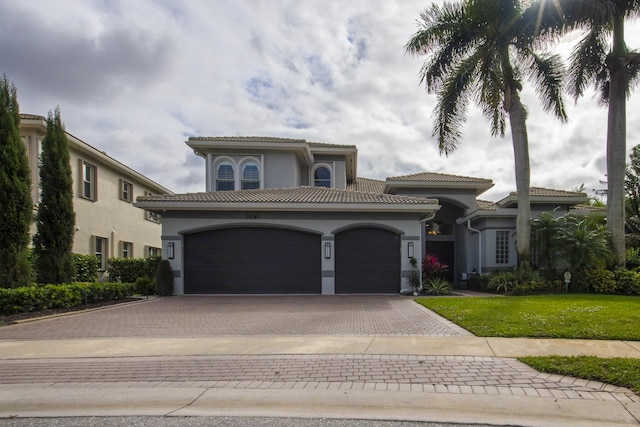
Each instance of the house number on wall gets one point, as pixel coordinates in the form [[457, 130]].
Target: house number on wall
[[252, 216]]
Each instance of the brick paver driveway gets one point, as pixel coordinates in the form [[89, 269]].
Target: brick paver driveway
[[212, 316]]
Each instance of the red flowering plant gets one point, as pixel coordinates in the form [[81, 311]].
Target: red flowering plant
[[432, 267]]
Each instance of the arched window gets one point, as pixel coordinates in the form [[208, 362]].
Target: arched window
[[250, 176], [225, 177], [322, 177]]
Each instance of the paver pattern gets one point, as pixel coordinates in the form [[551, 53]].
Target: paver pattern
[[444, 374], [246, 315], [189, 317]]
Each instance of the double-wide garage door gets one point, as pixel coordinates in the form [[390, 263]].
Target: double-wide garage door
[[261, 260], [252, 261]]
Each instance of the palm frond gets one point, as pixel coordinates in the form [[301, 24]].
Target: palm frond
[[588, 62], [491, 94], [451, 108], [547, 73]]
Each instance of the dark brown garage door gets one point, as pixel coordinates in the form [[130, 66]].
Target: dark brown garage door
[[252, 261], [367, 261]]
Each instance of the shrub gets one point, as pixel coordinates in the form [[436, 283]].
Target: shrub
[[628, 282], [164, 279], [145, 286], [503, 281], [593, 280], [129, 269], [437, 286], [45, 297], [633, 258], [432, 267], [479, 282], [86, 267]]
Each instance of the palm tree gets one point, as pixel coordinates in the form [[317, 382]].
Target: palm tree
[[611, 67], [583, 242], [481, 50]]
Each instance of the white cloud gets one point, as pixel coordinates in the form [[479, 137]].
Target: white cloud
[[137, 78]]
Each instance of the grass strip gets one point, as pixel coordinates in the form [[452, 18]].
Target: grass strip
[[622, 372]]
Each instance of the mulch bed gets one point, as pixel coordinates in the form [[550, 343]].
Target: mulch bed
[[13, 318]]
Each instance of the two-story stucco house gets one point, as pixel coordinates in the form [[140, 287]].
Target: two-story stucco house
[[107, 223], [291, 216]]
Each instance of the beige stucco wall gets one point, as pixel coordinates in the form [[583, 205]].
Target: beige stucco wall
[[108, 216]]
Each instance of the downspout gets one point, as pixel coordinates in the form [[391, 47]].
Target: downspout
[[479, 245]]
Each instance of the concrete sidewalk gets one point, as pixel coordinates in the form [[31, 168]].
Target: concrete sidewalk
[[445, 375]]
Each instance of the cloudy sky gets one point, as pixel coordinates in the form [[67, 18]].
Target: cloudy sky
[[137, 78]]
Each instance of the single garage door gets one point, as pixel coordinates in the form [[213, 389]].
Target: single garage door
[[252, 261], [367, 261]]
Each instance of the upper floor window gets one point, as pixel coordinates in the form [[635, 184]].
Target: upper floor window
[[322, 177], [89, 181], [225, 177], [502, 247], [126, 191], [250, 176], [151, 215]]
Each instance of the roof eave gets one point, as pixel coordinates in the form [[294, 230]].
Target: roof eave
[[478, 187], [200, 147], [287, 207]]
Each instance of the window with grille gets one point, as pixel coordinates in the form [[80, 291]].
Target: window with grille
[[502, 247], [225, 177], [250, 176]]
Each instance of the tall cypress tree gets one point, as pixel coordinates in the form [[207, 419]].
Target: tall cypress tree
[[53, 241], [16, 206]]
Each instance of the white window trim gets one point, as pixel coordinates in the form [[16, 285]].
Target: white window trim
[[220, 161], [312, 179], [242, 163], [93, 182], [508, 247]]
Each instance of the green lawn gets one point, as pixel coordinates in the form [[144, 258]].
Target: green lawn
[[618, 371], [555, 316], [552, 316]]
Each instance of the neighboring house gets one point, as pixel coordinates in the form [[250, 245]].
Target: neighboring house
[[290, 216], [107, 223]]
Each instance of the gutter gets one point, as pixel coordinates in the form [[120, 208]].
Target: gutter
[[474, 230]]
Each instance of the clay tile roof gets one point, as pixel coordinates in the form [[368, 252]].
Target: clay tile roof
[[248, 139], [32, 117], [437, 177], [366, 185], [548, 192], [485, 205], [302, 195], [327, 145]]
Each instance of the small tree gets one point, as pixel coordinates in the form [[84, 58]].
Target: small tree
[[164, 279], [53, 241], [15, 193]]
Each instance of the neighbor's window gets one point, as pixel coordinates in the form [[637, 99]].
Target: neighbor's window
[[322, 177], [126, 191], [100, 244], [153, 252], [502, 247], [250, 176], [225, 177], [89, 181], [127, 250], [150, 215]]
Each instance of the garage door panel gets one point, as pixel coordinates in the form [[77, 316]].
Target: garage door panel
[[367, 261], [252, 260]]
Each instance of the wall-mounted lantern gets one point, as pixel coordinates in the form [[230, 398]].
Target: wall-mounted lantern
[[327, 250], [410, 249], [170, 250]]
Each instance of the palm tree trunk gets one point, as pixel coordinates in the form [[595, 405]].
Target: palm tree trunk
[[616, 141], [520, 140]]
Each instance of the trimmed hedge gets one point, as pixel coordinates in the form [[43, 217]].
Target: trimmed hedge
[[46, 297], [86, 267], [129, 269]]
